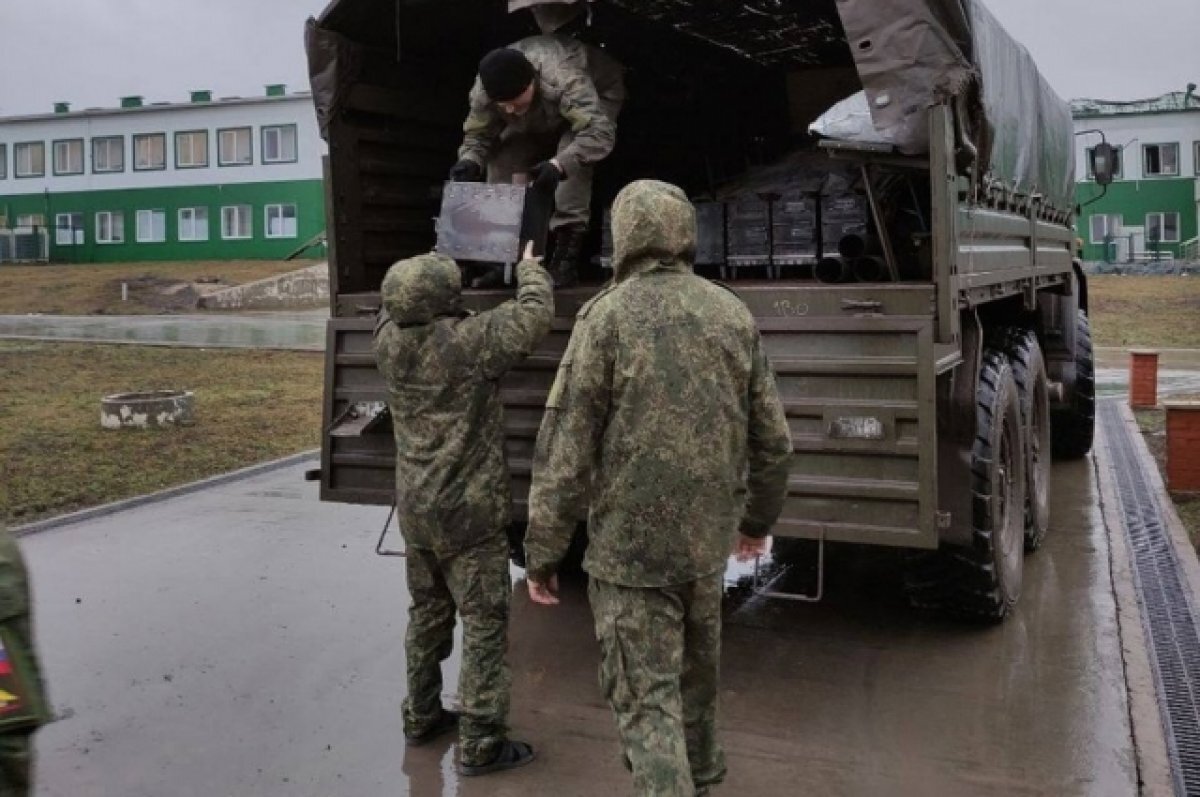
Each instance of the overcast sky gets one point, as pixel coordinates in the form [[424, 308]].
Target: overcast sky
[[90, 52]]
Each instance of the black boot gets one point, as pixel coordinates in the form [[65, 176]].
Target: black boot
[[568, 248]]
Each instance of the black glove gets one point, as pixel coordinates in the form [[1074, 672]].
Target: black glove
[[466, 171], [546, 176]]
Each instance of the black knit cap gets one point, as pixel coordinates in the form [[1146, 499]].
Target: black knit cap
[[505, 73]]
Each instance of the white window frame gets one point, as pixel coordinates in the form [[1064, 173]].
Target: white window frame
[[141, 138], [244, 214], [1195, 158], [110, 227], [29, 221], [278, 210], [1161, 149], [22, 147], [232, 134], [107, 143], [1118, 157], [3, 161], [1160, 221], [1110, 219], [68, 234], [190, 136], [154, 218], [64, 146], [278, 133], [193, 224]]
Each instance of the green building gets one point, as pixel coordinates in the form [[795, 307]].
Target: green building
[[1152, 209], [208, 179]]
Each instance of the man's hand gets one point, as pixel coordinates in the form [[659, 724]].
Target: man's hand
[[529, 255], [749, 548], [466, 171], [546, 175], [544, 593]]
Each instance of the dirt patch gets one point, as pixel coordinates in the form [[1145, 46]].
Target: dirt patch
[[95, 289]]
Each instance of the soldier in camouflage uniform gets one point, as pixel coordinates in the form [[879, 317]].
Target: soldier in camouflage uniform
[[664, 409], [442, 368], [546, 105], [23, 708]]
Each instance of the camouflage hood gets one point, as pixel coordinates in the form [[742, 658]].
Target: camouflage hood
[[654, 226], [422, 288]]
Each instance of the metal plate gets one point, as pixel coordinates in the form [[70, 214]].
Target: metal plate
[[481, 222]]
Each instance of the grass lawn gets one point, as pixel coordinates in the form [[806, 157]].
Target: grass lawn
[[1145, 311], [1153, 425], [250, 407], [88, 289]]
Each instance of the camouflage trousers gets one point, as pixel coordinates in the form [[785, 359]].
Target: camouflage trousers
[[16, 746], [661, 652], [475, 584]]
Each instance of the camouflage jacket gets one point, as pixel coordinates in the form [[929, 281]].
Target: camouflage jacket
[[579, 87], [662, 400], [442, 369]]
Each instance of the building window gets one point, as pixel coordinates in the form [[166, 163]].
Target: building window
[[193, 224], [108, 154], [279, 144], [68, 157], [1160, 160], [3, 161], [233, 147], [281, 221], [29, 159], [191, 149], [235, 222], [151, 226], [1118, 163], [68, 229], [1195, 158], [110, 227], [1104, 227], [1162, 227], [149, 152], [29, 221]]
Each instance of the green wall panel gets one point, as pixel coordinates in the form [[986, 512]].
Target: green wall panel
[[307, 195], [1134, 199]]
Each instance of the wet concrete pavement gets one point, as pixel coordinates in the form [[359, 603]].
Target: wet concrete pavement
[[303, 330], [245, 640]]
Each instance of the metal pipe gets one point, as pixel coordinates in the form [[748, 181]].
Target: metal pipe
[[852, 246], [831, 270], [869, 269]]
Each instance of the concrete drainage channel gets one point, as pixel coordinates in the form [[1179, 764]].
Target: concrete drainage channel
[[1168, 615]]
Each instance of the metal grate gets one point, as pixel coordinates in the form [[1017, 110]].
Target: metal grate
[[1167, 612]]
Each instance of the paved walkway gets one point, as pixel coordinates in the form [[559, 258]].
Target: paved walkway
[[302, 330], [245, 640]]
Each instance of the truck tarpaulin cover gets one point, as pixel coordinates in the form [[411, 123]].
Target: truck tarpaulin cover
[[912, 54]]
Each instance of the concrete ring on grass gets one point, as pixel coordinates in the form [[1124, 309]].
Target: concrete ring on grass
[[152, 409]]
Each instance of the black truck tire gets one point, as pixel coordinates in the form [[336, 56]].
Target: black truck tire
[[982, 581], [1029, 370], [1072, 428]]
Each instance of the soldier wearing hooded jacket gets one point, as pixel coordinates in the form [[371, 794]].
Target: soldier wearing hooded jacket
[[442, 366], [664, 408], [546, 105], [25, 708]]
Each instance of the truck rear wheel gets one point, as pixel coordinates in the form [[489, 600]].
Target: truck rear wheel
[[1073, 427], [1029, 371], [983, 580]]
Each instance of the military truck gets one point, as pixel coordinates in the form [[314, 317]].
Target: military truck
[[925, 391]]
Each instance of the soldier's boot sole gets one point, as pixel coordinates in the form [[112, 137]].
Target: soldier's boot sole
[[511, 755]]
